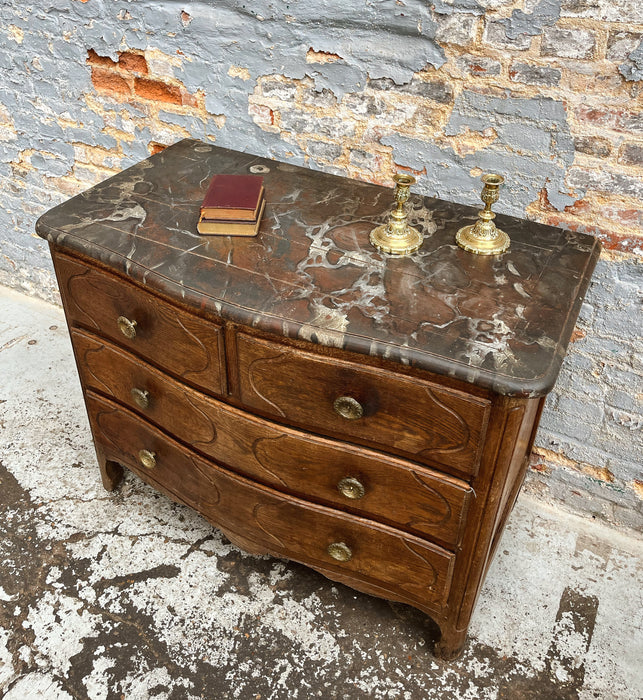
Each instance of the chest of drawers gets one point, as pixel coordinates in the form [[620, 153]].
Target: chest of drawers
[[370, 417]]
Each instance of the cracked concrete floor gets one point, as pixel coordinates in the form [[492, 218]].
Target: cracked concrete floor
[[127, 595]]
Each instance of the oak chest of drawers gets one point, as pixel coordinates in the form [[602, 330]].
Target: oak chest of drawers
[[368, 416]]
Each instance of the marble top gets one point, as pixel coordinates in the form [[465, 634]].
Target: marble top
[[500, 322]]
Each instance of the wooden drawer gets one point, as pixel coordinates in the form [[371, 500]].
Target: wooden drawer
[[189, 347], [414, 498], [382, 559], [409, 416]]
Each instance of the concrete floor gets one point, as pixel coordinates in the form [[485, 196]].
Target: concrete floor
[[126, 595]]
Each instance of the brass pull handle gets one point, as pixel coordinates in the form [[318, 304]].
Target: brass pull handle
[[148, 459], [127, 327], [351, 488], [339, 551], [348, 407], [141, 397]]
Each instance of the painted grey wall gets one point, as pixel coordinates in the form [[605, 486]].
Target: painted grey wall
[[49, 108]]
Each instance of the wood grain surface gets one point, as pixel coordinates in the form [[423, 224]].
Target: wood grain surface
[[186, 345], [398, 492], [411, 569], [409, 416]]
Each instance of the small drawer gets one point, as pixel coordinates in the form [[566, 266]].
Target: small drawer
[[355, 479], [364, 554], [408, 416], [187, 346]]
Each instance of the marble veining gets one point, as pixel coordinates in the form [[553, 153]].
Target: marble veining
[[501, 322]]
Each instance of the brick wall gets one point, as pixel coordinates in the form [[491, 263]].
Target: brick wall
[[546, 92]]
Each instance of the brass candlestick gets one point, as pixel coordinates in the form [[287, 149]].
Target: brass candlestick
[[483, 237], [397, 237]]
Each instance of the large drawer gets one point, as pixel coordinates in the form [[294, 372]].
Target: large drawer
[[376, 556], [187, 346], [408, 416], [355, 479]]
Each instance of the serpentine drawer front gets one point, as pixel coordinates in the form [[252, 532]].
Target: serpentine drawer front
[[360, 481], [368, 416], [183, 343], [378, 556], [418, 419]]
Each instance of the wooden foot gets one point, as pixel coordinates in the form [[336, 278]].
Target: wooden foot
[[451, 644], [111, 472]]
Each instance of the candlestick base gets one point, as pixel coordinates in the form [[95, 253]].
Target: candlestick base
[[393, 243], [471, 240]]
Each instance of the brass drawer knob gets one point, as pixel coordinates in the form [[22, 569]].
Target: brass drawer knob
[[339, 551], [351, 488], [147, 458], [348, 407], [141, 397], [127, 327]]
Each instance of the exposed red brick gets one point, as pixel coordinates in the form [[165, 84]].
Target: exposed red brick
[[406, 169], [153, 147], [261, 114], [542, 468], [578, 334], [617, 242], [608, 238], [625, 216], [157, 91], [617, 120], [579, 207], [593, 116], [479, 65], [134, 62], [543, 201], [109, 82], [95, 60], [187, 99]]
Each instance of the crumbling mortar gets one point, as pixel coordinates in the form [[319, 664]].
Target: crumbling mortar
[[599, 475], [624, 490]]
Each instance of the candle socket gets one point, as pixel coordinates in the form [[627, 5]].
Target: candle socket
[[483, 237], [397, 237]]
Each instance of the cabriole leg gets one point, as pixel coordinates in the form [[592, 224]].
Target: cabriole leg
[[451, 643], [111, 472]]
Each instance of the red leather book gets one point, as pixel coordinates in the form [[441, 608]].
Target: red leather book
[[233, 197], [230, 227]]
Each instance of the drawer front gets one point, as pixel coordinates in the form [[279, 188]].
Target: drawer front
[[408, 416], [382, 558], [354, 479], [186, 345]]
